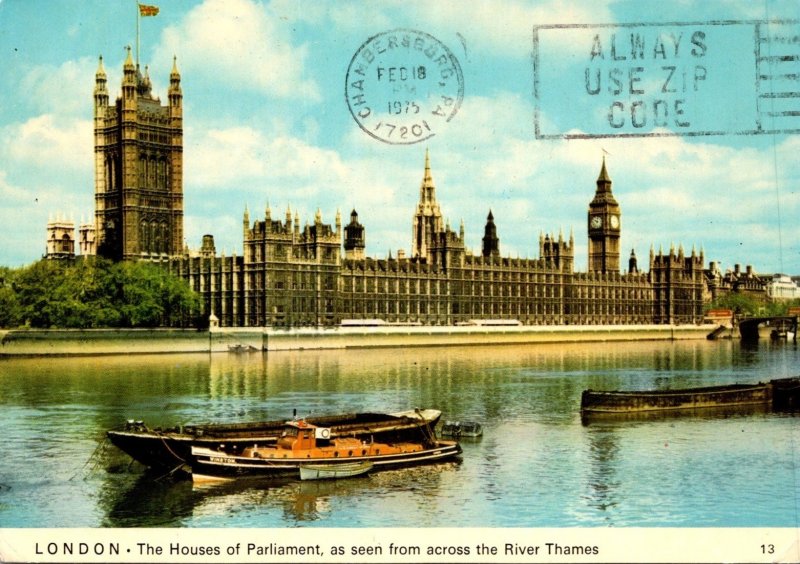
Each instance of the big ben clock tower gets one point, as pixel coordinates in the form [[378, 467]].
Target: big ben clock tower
[[604, 227]]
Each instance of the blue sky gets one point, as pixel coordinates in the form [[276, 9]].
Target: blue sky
[[266, 123]]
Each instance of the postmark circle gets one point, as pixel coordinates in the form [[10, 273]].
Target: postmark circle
[[403, 85]]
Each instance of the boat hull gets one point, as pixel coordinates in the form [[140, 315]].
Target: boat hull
[[329, 471], [767, 394], [171, 448], [214, 466]]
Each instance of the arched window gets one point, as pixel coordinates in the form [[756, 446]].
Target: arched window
[[162, 176], [151, 172], [155, 240], [144, 237], [164, 239], [142, 172]]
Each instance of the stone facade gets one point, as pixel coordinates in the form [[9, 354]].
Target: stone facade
[[320, 275], [60, 238], [138, 167], [293, 277]]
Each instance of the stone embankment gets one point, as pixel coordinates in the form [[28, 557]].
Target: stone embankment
[[143, 341]]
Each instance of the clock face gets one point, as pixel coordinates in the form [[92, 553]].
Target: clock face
[[614, 221], [597, 221]]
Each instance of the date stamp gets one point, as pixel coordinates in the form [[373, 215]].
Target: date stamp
[[403, 85], [666, 79]]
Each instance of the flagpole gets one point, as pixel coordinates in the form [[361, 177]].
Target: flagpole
[[138, 17]]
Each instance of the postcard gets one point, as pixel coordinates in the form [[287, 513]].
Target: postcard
[[420, 235]]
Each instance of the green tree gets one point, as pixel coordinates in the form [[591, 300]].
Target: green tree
[[10, 310], [96, 293], [741, 304]]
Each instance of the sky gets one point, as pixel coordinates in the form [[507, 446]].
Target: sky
[[270, 119]]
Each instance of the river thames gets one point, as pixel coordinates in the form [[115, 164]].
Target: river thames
[[536, 465]]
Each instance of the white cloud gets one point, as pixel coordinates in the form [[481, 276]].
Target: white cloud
[[241, 45], [10, 194], [50, 142], [65, 89]]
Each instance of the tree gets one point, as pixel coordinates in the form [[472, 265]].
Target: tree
[[95, 292], [741, 304], [10, 310]]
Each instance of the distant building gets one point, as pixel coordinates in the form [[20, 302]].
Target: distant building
[[290, 277], [782, 287], [86, 239], [60, 239], [745, 282]]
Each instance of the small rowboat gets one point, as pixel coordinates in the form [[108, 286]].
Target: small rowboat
[[334, 471], [462, 429]]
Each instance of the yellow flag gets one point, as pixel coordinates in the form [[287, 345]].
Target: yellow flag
[[145, 10]]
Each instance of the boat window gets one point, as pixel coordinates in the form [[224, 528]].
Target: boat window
[[349, 453]]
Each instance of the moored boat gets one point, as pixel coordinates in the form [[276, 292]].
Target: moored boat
[[775, 393], [170, 448], [302, 444], [328, 471], [462, 429]]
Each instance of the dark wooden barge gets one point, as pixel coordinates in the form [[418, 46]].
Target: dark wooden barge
[[782, 394], [170, 448]]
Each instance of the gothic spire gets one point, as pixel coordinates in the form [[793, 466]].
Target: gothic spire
[[427, 191], [101, 70], [603, 172], [129, 60], [603, 192]]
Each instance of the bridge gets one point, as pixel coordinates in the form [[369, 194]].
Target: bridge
[[780, 327]]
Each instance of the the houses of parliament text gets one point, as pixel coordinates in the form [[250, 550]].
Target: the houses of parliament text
[[320, 275]]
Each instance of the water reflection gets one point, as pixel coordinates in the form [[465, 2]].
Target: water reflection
[[154, 500], [602, 480], [536, 464]]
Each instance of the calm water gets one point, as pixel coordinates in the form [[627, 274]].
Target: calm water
[[535, 466]]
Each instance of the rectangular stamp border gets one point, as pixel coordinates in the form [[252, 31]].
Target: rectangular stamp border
[[758, 77]]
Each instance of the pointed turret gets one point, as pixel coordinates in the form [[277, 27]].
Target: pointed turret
[[427, 190], [428, 222], [129, 65], [100, 80], [145, 84], [100, 90], [633, 266], [129, 79], [491, 243], [354, 238], [174, 93], [603, 192], [603, 172]]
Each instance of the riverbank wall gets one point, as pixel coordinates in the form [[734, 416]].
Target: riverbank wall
[[143, 341]]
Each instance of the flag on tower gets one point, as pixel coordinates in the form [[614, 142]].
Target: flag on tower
[[145, 10]]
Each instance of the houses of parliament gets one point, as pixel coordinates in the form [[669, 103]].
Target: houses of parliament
[[320, 274]]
